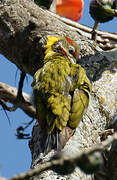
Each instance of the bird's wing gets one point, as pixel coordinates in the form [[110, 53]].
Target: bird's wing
[[80, 101], [80, 96], [59, 105]]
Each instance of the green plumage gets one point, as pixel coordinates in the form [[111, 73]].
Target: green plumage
[[61, 92], [102, 10]]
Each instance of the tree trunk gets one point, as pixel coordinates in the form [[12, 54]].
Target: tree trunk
[[24, 28]]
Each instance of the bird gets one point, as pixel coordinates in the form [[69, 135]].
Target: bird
[[61, 91], [71, 9], [102, 11]]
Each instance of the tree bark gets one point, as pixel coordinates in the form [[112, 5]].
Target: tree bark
[[24, 28]]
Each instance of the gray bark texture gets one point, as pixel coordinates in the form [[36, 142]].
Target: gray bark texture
[[24, 28]]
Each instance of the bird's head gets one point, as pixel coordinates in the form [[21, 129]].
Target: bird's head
[[64, 46]]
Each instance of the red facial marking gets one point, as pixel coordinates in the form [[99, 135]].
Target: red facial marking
[[69, 40], [76, 53], [64, 52]]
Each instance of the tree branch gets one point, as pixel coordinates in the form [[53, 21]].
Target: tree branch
[[9, 94], [89, 161], [103, 38], [24, 24]]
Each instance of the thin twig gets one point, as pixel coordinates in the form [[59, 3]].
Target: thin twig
[[20, 86], [95, 28]]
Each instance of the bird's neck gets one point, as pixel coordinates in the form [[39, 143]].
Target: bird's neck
[[50, 55], [54, 56]]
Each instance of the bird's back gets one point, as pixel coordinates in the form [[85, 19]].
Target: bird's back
[[61, 93]]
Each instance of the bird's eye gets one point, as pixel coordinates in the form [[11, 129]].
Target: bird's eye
[[71, 50], [57, 46]]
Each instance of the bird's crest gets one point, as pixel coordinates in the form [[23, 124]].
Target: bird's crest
[[51, 40]]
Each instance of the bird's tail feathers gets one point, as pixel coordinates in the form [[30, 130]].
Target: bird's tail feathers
[[51, 142], [57, 139]]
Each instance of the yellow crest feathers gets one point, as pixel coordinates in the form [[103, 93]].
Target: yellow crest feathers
[[51, 40]]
